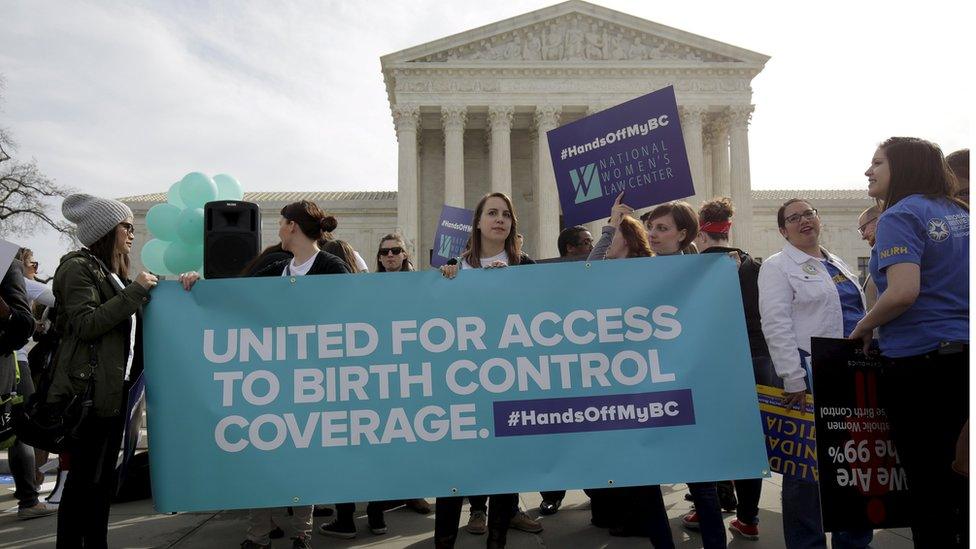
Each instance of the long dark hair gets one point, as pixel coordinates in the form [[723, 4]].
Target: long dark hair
[[918, 167], [636, 237], [406, 265], [342, 250], [313, 222], [105, 249], [472, 253]]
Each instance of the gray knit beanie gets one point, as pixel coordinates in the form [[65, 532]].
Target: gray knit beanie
[[94, 216]]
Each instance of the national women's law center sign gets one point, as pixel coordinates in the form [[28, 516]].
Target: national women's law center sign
[[635, 148]]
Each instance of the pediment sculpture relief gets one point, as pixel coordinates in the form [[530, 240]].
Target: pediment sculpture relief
[[574, 38]]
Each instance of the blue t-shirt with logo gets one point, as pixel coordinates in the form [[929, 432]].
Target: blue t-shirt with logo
[[850, 298], [933, 234]]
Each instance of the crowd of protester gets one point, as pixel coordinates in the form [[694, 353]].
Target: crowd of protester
[[915, 303]]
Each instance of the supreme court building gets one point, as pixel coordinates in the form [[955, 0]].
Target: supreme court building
[[471, 112]]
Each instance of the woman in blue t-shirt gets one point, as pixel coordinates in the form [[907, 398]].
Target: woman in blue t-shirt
[[920, 262]]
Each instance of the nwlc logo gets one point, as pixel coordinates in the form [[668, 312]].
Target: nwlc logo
[[444, 250], [586, 183]]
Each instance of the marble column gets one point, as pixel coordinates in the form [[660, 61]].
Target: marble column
[[707, 163], [691, 127], [719, 143], [547, 197], [453, 118], [500, 124], [407, 121], [739, 181]]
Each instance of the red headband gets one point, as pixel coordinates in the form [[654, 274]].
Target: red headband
[[720, 227]]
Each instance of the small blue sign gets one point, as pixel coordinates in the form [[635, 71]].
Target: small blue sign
[[451, 237]]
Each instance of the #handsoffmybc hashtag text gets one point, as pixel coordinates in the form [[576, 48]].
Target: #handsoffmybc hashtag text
[[604, 413], [619, 135]]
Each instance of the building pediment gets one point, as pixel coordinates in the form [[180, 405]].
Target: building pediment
[[573, 32]]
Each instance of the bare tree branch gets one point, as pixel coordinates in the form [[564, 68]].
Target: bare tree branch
[[26, 194]]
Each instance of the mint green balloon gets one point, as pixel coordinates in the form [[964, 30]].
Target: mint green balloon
[[152, 256], [180, 257], [189, 226], [228, 188], [173, 196], [196, 189], [162, 221]]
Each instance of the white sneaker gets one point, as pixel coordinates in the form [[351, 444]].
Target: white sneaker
[[37, 511]]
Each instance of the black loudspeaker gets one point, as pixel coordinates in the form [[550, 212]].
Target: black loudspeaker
[[231, 237]]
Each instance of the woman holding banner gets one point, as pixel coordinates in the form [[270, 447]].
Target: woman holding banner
[[805, 291], [302, 225], [100, 319], [492, 244], [670, 230], [920, 263], [633, 510]]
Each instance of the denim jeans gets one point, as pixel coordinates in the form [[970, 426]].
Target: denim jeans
[[802, 526], [705, 496], [20, 456]]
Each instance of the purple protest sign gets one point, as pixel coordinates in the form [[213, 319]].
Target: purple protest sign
[[636, 147], [452, 234]]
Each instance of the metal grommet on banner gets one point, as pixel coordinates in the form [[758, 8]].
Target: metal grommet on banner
[[587, 264], [454, 490], [610, 482], [296, 499], [292, 280], [765, 472]]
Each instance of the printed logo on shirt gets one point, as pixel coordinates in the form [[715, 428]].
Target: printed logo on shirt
[[894, 250], [938, 229]]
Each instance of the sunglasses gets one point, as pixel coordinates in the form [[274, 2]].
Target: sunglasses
[[34, 264], [396, 250], [129, 227]]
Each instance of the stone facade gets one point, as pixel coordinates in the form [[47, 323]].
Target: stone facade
[[472, 110]]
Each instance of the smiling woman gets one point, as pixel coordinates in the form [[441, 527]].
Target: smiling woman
[[804, 292]]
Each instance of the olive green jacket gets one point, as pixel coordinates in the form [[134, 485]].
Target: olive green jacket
[[93, 313]]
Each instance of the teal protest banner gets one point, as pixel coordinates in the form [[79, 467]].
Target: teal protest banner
[[284, 391]]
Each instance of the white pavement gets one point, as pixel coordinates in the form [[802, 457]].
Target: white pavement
[[137, 525]]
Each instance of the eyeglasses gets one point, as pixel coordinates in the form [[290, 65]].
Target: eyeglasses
[[862, 227], [396, 250], [129, 227], [34, 264], [809, 215]]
